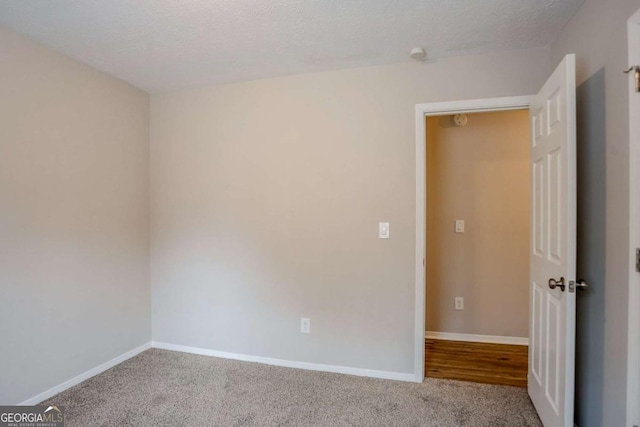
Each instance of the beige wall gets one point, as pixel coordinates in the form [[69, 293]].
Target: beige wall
[[478, 173], [266, 197], [74, 260], [597, 34]]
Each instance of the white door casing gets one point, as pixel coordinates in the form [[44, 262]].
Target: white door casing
[[633, 358], [421, 111], [553, 247]]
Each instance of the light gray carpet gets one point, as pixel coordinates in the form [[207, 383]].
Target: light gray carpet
[[162, 388]]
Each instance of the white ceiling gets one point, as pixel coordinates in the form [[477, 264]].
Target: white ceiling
[[160, 45]]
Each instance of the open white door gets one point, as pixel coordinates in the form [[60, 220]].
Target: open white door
[[553, 247]]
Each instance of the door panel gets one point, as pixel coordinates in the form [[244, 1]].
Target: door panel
[[555, 203], [538, 208], [535, 341], [553, 249]]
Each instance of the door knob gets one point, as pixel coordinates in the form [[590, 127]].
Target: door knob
[[581, 285], [553, 283]]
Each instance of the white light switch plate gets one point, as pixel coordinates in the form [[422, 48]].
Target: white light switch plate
[[305, 325], [459, 225], [383, 230]]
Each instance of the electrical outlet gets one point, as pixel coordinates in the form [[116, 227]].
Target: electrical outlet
[[459, 225], [305, 325], [459, 304]]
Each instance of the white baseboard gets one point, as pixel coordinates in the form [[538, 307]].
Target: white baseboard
[[399, 376], [85, 375], [492, 339]]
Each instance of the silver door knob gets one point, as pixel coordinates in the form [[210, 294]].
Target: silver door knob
[[581, 285], [553, 283]]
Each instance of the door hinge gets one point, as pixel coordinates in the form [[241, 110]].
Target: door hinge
[[638, 260], [636, 75]]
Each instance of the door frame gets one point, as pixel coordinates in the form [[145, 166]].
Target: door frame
[[633, 355], [421, 112]]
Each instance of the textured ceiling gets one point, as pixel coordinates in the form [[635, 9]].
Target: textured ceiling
[[160, 45]]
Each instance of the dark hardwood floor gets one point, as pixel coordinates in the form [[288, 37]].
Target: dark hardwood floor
[[478, 362]]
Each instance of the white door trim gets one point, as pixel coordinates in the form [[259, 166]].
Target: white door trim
[[633, 359], [422, 111]]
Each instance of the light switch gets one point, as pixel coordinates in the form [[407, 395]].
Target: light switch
[[383, 230], [459, 225]]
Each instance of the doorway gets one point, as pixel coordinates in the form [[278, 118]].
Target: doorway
[[553, 282], [422, 111], [477, 254]]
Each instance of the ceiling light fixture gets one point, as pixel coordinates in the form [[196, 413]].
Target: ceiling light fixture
[[459, 120], [418, 54]]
